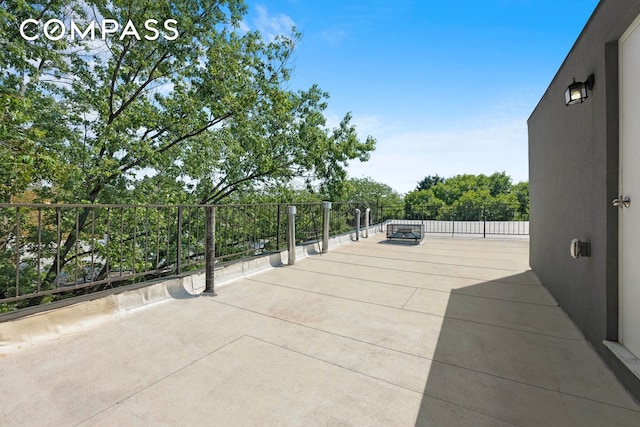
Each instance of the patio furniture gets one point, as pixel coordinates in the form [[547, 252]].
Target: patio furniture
[[405, 231]]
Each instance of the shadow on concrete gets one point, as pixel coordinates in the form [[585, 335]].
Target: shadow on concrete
[[516, 359], [401, 242]]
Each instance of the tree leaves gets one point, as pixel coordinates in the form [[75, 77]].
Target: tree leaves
[[210, 109], [462, 191]]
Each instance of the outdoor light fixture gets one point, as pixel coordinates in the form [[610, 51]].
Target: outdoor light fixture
[[576, 93]]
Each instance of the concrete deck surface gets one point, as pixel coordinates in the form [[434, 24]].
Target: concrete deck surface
[[451, 332]]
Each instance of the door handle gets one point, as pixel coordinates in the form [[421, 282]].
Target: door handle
[[622, 202]]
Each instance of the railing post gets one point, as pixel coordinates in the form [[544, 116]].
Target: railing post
[[326, 210], [357, 224], [210, 250], [484, 222], [17, 252], [367, 212], [291, 233]]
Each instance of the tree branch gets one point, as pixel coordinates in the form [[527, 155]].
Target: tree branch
[[231, 187], [151, 78], [114, 76], [34, 78], [173, 143]]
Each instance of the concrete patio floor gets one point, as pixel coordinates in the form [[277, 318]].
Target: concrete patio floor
[[451, 332]]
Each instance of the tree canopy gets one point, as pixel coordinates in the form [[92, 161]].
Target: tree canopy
[[368, 190], [191, 112], [477, 190], [429, 181], [119, 119]]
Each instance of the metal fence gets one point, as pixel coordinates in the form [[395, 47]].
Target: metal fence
[[53, 252], [481, 219]]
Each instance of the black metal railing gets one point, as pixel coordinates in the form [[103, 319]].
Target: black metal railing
[[463, 218], [52, 252], [65, 249]]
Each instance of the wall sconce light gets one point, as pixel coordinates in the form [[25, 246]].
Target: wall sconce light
[[576, 93]]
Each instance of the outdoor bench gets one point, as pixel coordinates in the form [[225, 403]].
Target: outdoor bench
[[405, 231]]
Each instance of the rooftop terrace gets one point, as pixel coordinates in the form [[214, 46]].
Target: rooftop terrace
[[453, 331]]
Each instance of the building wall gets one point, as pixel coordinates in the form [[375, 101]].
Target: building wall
[[573, 177]]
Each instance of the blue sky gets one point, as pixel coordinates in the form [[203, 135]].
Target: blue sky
[[446, 87]]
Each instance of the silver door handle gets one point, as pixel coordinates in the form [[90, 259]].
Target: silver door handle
[[622, 202]]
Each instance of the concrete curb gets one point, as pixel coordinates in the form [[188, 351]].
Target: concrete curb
[[82, 316]]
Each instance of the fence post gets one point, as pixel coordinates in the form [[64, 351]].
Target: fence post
[[357, 224], [484, 222], [291, 233], [210, 250], [367, 212], [326, 210]]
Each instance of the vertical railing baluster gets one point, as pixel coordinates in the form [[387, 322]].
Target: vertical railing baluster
[[134, 245], [158, 241], [278, 228], [76, 245], [179, 242], [168, 237], [146, 238], [58, 238], [121, 240], [39, 248], [190, 220], [17, 251], [107, 243], [93, 242]]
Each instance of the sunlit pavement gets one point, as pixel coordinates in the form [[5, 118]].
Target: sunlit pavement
[[450, 332]]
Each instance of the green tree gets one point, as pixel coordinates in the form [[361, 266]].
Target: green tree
[[31, 119], [428, 182], [209, 108], [472, 197], [367, 190], [425, 202], [499, 183], [521, 192], [363, 193], [202, 116]]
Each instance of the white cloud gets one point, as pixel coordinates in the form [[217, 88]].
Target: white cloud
[[366, 124], [271, 26], [334, 35], [373, 125], [244, 27]]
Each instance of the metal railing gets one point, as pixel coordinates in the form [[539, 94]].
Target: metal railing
[[482, 219], [52, 252]]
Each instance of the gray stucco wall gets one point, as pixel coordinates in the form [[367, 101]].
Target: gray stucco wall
[[573, 173]]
